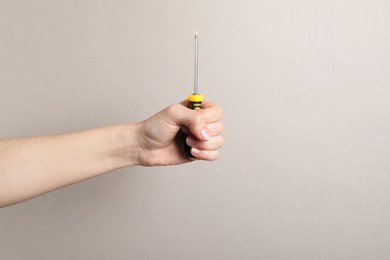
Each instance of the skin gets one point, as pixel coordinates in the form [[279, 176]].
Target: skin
[[33, 166]]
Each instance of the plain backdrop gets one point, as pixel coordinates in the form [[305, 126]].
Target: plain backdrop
[[304, 173]]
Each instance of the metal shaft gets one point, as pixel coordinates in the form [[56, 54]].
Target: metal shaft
[[196, 62]]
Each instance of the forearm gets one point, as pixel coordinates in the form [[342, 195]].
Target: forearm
[[33, 166]]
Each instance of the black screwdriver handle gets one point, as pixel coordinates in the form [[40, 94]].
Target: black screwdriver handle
[[187, 148]]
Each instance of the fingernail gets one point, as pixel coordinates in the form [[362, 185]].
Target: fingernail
[[205, 134], [191, 141], [195, 151]]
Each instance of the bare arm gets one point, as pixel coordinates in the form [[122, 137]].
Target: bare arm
[[33, 166]]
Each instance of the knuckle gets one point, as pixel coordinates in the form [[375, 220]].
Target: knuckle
[[199, 118], [222, 141], [215, 156], [221, 128], [202, 112], [173, 109], [219, 111]]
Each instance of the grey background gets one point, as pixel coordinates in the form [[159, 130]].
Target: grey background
[[305, 85]]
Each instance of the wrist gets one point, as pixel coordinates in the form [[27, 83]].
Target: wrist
[[126, 146]]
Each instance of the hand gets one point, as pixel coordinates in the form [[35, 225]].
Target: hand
[[60, 160], [160, 138]]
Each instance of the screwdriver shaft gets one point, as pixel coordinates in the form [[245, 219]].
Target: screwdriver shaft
[[196, 62]]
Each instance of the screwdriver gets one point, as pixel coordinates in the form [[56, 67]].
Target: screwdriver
[[194, 99]]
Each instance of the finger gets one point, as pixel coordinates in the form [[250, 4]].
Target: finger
[[211, 112], [178, 115], [213, 144], [207, 104], [215, 128], [205, 155]]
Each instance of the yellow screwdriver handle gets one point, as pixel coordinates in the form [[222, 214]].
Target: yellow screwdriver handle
[[194, 102]]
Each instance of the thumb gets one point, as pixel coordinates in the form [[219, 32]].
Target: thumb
[[182, 116]]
